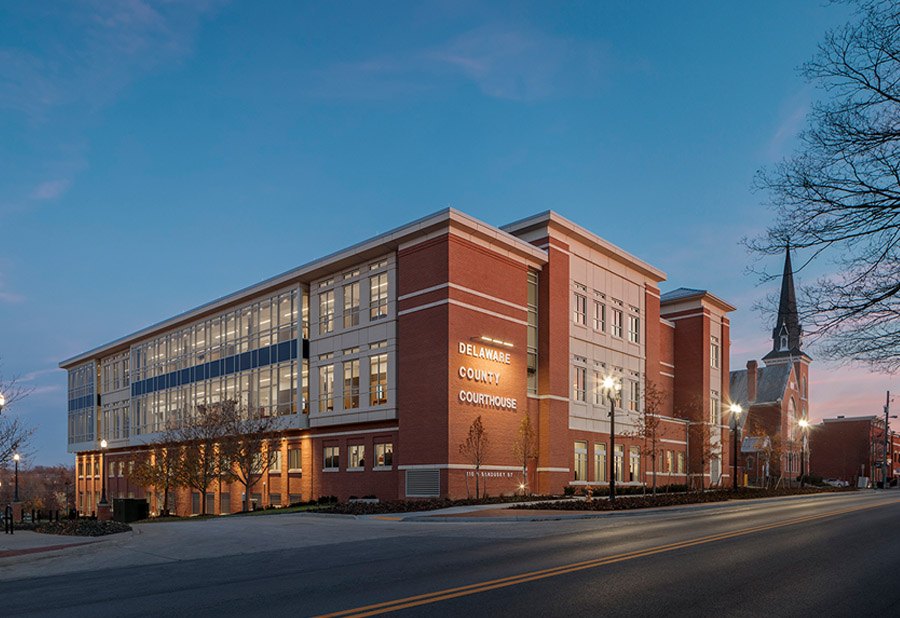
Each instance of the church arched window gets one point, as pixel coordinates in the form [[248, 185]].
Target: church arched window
[[792, 419]]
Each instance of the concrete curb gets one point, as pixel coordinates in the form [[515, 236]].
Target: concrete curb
[[332, 515], [563, 514]]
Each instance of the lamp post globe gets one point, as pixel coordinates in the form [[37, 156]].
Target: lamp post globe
[[2, 401], [736, 411]]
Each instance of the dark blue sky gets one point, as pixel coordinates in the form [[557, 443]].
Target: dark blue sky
[[154, 156]]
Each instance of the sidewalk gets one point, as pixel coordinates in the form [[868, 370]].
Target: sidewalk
[[27, 542]]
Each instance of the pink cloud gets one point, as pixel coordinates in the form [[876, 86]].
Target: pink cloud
[[50, 190]]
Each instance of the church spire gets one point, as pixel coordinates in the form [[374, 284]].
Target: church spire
[[787, 333]]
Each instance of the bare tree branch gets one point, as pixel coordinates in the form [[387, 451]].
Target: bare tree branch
[[837, 198]]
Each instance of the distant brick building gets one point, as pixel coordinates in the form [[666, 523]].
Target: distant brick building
[[847, 448], [775, 398]]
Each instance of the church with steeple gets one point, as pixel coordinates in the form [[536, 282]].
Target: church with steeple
[[775, 397]]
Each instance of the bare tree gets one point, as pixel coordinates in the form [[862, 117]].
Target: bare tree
[[647, 424], [198, 436], [42, 487], [14, 433], [160, 468], [250, 446], [837, 199], [525, 448], [705, 448], [475, 449]]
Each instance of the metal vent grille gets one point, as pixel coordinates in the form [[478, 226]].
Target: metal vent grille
[[423, 483]]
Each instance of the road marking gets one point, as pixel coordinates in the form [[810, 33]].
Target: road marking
[[521, 578]]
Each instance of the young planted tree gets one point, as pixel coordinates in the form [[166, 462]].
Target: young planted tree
[[647, 425], [705, 447], [525, 448], [250, 446], [198, 436], [160, 469], [474, 448]]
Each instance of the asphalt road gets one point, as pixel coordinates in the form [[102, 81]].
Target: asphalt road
[[835, 555]]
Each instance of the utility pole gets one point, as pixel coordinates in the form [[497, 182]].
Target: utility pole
[[884, 458]]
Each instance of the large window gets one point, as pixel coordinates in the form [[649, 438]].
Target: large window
[[579, 392], [532, 343], [304, 386], [351, 384], [114, 372], [351, 304], [357, 456], [82, 402], [580, 315], [597, 388], [332, 456], [295, 459], [617, 323], [599, 316], [580, 461], [286, 388], [378, 296], [714, 352], [620, 463], [600, 463], [634, 329], [384, 454], [715, 410], [326, 388], [326, 312], [378, 379], [634, 395], [681, 466], [634, 464], [275, 465]]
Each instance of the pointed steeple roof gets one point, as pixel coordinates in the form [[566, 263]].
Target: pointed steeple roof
[[787, 334]]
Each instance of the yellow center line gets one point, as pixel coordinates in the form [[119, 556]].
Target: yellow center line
[[521, 578]]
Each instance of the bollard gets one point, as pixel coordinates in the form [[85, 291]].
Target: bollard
[[8, 520]]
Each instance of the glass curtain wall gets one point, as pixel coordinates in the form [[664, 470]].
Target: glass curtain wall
[[249, 354]]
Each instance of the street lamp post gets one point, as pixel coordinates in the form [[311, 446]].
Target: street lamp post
[[103, 445], [16, 494], [736, 411], [612, 387], [804, 426]]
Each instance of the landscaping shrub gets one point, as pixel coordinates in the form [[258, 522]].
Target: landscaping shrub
[[412, 506], [674, 499], [80, 527]]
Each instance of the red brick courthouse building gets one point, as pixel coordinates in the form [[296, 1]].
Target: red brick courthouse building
[[380, 356]]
